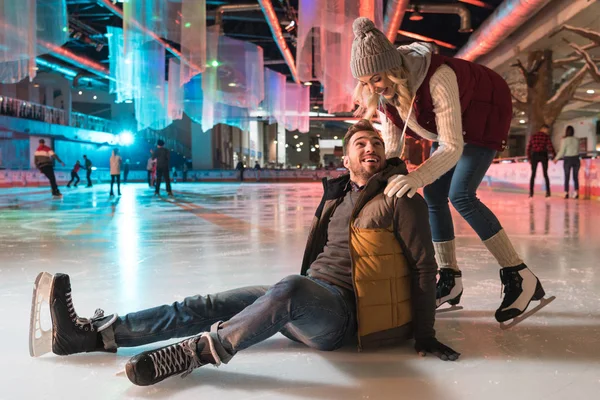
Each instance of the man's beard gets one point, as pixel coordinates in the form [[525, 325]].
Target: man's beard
[[361, 172]]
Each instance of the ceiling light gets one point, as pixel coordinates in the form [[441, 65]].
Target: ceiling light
[[214, 63], [309, 83], [287, 145], [298, 145], [416, 16], [95, 97], [80, 92], [298, 149], [232, 84], [590, 91], [315, 107], [301, 144], [317, 146], [295, 136], [335, 138], [318, 135], [36, 85], [129, 101], [522, 121], [312, 149], [188, 24], [275, 141]]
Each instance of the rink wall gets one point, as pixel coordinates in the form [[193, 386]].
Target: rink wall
[[505, 177]]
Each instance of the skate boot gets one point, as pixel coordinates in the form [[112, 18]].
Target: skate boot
[[521, 286], [449, 289], [153, 366], [70, 333]]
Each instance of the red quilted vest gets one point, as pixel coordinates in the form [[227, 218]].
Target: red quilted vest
[[485, 103]]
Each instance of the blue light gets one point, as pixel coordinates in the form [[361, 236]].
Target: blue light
[[126, 138]]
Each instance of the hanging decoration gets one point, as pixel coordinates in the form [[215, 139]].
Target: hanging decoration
[[175, 98], [120, 66], [325, 44], [297, 105], [274, 103], [29, 28]]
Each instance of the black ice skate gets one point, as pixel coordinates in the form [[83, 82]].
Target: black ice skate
[[521, 286], [70, 333], [449, 289], [153, 366]]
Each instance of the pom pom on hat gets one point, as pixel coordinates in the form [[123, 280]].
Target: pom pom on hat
[[362, 25], [372, 52]]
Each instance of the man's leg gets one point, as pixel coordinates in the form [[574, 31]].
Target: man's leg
[[186, 318], [119, 184], [312, 312], [534, 163], [149, 178], [167, 180], [159, 174], [88, 175], [112, 183], [546, 178]]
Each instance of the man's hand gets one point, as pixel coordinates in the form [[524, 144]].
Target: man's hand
[[399, 185], [431, 345], [63, 164]]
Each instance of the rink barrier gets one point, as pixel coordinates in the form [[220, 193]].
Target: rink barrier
[[501, 176]]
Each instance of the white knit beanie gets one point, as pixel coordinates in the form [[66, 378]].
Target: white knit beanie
[[372, 52]]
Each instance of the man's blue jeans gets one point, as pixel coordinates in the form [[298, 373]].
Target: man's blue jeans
[[460, 186], [306, 310]]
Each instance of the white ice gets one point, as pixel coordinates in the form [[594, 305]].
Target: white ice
[[138, 251]]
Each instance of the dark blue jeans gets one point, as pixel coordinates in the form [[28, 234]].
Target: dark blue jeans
[[460, 186], [571, 164], [306, 310]]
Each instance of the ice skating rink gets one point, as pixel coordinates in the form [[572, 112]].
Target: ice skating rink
[[137, 251]]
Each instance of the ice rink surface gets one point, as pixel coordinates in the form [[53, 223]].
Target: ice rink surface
[[138, 251]]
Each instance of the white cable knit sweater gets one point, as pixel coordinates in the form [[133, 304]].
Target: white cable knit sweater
[[446, 106]]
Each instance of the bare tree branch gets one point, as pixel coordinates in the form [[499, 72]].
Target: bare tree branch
[[530, 74], [594, 71], [564, 94], [595, 99], [586, 33]]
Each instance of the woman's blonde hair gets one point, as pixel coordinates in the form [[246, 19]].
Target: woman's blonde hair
[[368, 102]]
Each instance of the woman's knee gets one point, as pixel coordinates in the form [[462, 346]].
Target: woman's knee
[[462, 200]]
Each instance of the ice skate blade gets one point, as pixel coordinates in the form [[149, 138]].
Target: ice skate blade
[[517, 320], [448, 309], [42, 344]]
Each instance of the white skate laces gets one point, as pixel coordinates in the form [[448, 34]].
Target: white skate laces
[[174, 359], [85, 324]]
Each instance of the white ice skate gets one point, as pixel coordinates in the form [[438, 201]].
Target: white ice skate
[[40, 340], [449, 290], [521, 286]]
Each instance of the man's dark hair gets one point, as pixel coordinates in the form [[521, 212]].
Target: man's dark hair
[[361, 126], [545, 126], [42, 141], [84, 156], [570, 131], [160, 142]]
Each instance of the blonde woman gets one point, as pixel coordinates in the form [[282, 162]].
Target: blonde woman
[[465, 109]]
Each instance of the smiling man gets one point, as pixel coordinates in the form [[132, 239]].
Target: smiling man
[[368, 277]]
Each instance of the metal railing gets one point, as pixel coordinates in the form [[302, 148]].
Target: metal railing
[[27, 110], [518, 159]]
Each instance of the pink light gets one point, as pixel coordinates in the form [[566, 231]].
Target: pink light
[[478, 4]]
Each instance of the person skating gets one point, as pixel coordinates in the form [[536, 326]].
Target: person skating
[[115, 171], [569, 152], [74, 174], [539, 150], [151, 169], [162, 157], [360, 243], [466, 109], [88, 170], [44, 158]]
